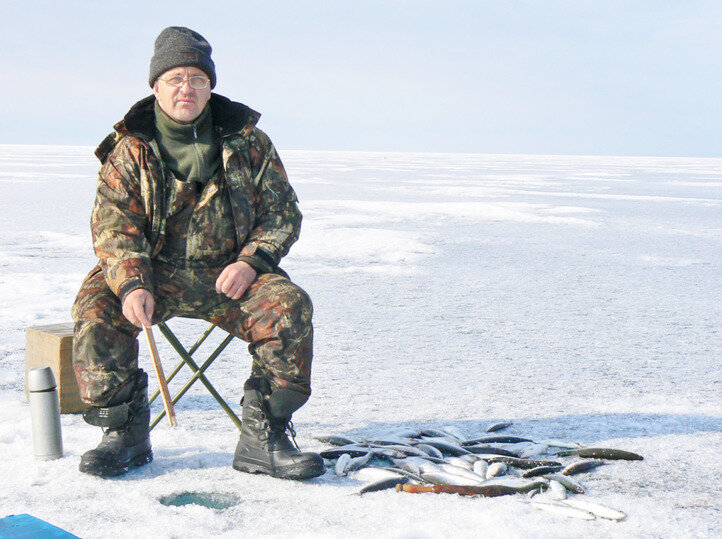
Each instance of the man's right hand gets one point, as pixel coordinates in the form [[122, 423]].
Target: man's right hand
[[138, 307]]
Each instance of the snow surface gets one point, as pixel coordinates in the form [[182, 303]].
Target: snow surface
[[577, 296]]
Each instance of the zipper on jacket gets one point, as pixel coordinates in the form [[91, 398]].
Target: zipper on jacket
[[201, 170]]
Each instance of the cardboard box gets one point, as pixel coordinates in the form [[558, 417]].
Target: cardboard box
[[52, 346]]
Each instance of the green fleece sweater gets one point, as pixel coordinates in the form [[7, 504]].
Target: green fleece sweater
[[191, 150]]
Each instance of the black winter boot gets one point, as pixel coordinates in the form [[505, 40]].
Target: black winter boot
[[264, 446], [126, 433]]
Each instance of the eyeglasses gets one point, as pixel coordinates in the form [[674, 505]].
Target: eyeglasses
[[196, 82]]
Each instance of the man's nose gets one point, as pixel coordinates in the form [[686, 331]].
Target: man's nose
[[186, 85]]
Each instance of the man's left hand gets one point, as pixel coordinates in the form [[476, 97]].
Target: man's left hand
[[235, 279]]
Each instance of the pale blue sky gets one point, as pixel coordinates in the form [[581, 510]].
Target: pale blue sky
[[561, 77]]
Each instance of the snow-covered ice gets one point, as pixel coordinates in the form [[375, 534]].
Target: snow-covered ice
[[579, 297]]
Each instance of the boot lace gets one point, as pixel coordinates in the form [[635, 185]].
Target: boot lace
[[282, 428]]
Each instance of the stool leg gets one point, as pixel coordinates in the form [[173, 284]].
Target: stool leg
[[198, 374], [178, 367]]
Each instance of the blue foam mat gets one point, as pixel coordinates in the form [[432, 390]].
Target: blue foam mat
[[29, 527]]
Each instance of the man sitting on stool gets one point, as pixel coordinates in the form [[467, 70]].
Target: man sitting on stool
[[192, 215]]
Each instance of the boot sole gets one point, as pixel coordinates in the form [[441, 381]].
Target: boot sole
[[103, 469], [301, 471]]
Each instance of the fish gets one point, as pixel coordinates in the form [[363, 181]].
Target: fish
[[497, 438], [486, 450], [405, 473], [445, 446], [352, 450], [602, 453], [460, 462], [462, 472], [406, 449], [433, 433], [570, 484], [581, 466], [495, 469], [383, 484], [335, 439], [430, 450], [596, 509], [445, 478], [470, 458], [524, 464], [541, 470], [341, 464], [388, 440], [557, 490], [562, 509], [480, 467], [453, 432], [498, 426], [358, 462], [522, 485]]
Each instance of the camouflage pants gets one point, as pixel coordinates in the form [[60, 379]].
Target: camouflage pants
[[273, 316]]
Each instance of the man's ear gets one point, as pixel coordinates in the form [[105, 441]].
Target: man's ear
[[155, 89]]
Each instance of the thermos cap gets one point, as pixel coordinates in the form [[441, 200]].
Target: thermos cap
[[41, 379]]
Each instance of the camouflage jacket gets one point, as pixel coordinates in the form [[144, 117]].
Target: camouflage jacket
[[128, 219]]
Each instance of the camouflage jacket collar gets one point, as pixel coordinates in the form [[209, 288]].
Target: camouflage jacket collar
[[229, 118]]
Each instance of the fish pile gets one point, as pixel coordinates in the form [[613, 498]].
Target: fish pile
[[445, 461]]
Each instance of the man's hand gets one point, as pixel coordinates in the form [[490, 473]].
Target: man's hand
[[235, 279], [138, 307]]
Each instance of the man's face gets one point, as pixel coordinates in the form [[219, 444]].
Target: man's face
[[182, 103]]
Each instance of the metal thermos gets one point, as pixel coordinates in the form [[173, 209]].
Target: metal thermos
[[45, 413]]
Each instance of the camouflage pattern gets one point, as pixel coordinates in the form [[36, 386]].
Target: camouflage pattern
[[152, 231], [128, 219], [273, 316]]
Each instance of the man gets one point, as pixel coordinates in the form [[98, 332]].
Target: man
[[192, 215]]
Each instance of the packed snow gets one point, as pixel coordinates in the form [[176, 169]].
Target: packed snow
[[577, 296]]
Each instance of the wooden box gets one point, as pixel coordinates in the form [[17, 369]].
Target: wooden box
[[52, 346]]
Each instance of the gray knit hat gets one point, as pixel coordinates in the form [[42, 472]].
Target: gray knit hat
[[177, 46]]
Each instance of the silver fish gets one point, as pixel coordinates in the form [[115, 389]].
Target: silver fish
[[521, 485], [564, 510], [405, 473], [383, 484], [341, 464], [581, 466], [446, 445], [496, 469], [480, 468], [460, 462], [596, 509], [454, 432], [358, 462], [430, 450], [602, 453], [570, 484], [463, 472], [433, 433], [335, 439], [498, 426], [445, 478], [541, 470]]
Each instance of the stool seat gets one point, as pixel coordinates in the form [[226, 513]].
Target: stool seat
[[198, 371]]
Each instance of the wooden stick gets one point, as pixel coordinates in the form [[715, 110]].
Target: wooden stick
[[489, 491], [167, 402]]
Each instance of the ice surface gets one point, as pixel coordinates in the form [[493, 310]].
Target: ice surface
[[577, 296]]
